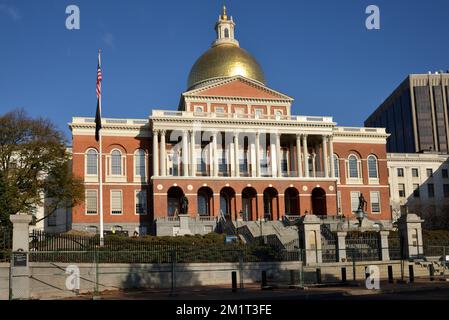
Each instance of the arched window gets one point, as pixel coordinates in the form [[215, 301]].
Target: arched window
[[226, 33], [92, 162], [353, 164], [336, 166], [116, 163], [372, 167], [139, 163]]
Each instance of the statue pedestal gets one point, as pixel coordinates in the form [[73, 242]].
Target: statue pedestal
[[184, 224]]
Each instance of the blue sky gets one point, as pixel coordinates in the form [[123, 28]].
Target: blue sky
[[318, 52]]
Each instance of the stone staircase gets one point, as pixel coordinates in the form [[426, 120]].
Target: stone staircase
[[251, 230], [440, 267]]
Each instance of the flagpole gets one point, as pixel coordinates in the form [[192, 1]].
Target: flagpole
[[100, 167]]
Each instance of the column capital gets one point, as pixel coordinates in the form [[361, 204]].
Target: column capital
[[156, 131], [163, 131]]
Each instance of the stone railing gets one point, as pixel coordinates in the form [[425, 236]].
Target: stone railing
[[222, 115]]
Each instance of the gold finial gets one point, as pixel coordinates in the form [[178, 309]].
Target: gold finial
[[224, 15]]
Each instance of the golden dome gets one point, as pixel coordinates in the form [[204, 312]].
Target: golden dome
[[225, 60]]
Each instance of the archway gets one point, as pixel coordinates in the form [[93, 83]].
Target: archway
[[227, 202], [292, 201], [204, 199], [319, 202], [174, 196], [271, 204], [249, 204]]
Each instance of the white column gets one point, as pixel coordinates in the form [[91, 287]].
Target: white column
[[252, 150], [298, 155], [331, 156], [163, 155], [236, 154], [273, 156], [314, 164], [305, 155], [155, 153], [325, 159], [257, 154], [185, 154], [193, 153], [278, 155], [215, 154]]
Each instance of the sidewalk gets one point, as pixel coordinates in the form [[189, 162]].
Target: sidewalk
[[254, 292]]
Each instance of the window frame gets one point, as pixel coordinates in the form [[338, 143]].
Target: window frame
[[350, 195], [110, 203], [138, 177], [359, 178], [373, 180], [378, 202], [85, 202], [113, 177], [87, 176], [136, 192]]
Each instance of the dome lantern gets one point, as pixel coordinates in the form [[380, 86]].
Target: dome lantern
[[225, 30], [225, 58]]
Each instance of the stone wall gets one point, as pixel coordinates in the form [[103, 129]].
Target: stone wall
[[48, 280]]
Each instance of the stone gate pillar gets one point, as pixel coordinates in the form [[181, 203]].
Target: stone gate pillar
[[411, 234], [19, 260], [311, 233], [341, 245], [384, 245]]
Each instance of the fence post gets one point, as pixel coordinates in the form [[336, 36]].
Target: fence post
[[241, 269], [343, 275], [173, 272], [411, 273], [384, 245], [234, 281], [96, 291], [410, 229], [311, 233], [390, 274], [20, 271], [264, 279], [354, 278], [341, 245]]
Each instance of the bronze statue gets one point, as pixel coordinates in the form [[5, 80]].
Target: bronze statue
[[184, 205], [362, 203]]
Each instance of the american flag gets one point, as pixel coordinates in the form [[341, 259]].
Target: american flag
[[98, 113]]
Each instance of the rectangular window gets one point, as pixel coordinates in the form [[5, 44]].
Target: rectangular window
[[401, 188], [444, 173], [375, 201], [51, 220], [446, 190], [116, 202], [415, 173], [431, 190], [400, 172], [354, 201], [91, 202], [258, 112], [429, 173], [219, 110], [416, 190], [141, 202]]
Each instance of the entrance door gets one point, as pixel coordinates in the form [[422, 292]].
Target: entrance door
[[319, 202]]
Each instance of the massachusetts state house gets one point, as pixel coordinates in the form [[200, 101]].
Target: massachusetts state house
[[233, 150]]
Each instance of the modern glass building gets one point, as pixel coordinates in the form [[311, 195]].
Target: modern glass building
[[416, 114]]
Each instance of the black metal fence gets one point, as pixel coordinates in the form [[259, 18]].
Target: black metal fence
[[45, 247]]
